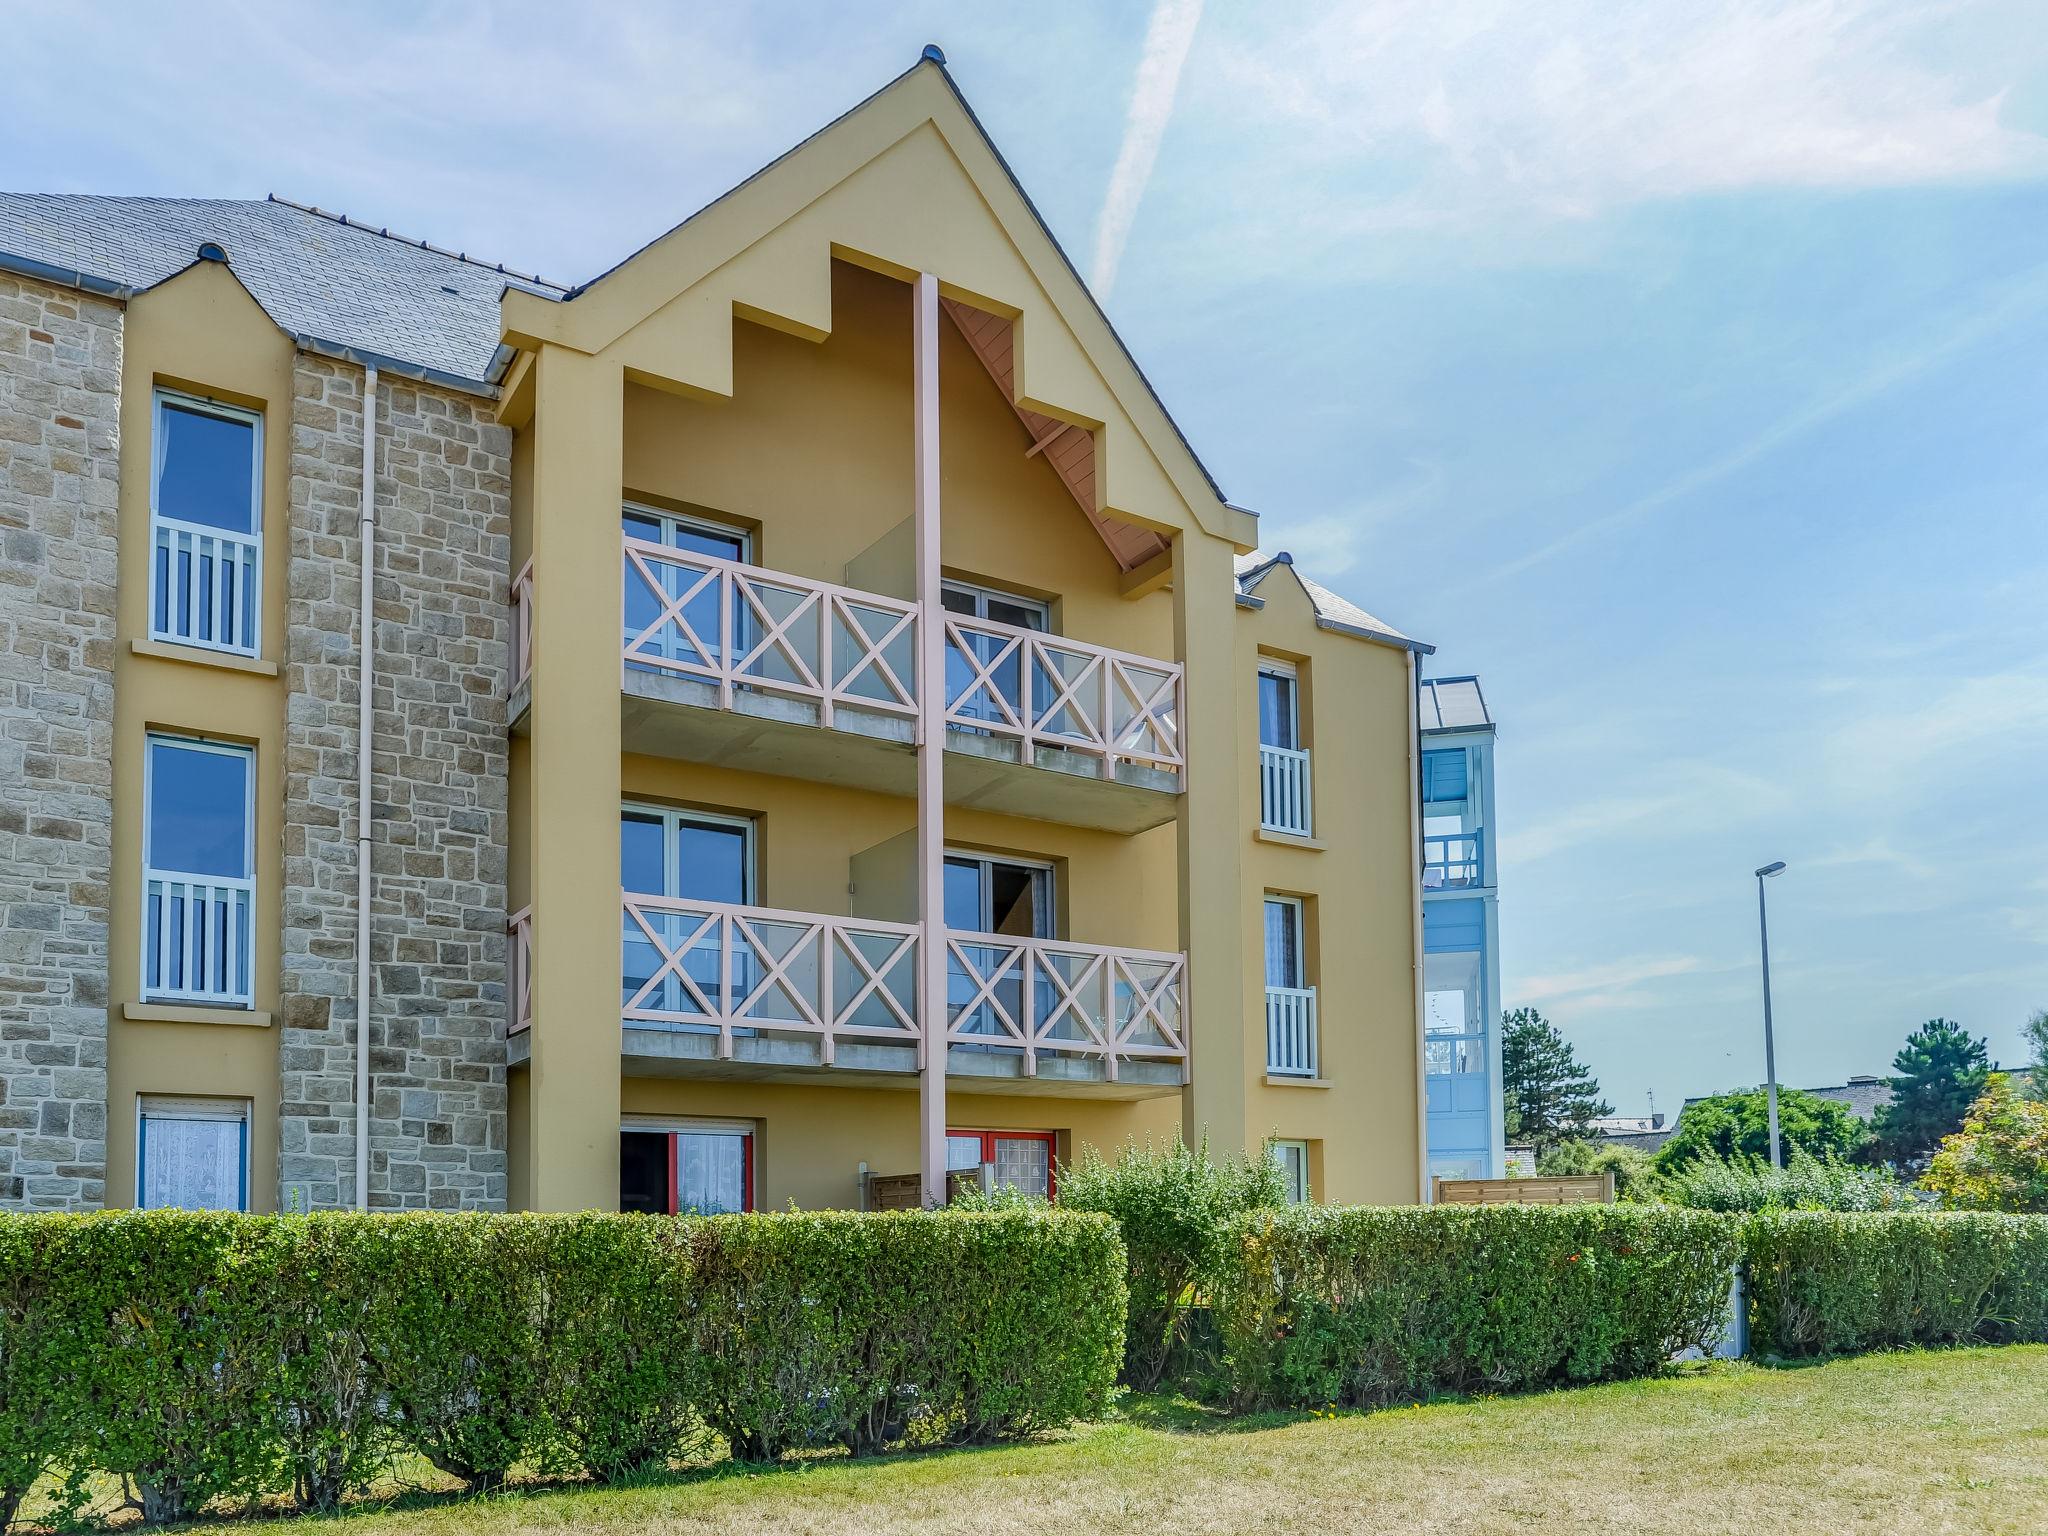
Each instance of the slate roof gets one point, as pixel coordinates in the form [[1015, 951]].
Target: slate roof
[[1453, 704], [321, 278], [1332, 611]]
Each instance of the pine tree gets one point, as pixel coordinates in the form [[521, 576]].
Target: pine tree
[[1550, 1095], [2036, 1035], [1941, 1071]]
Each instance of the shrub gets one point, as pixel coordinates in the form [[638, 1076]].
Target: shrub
[[1823, 1283], [1805, 1183], [1174, 1206], [1635, 1174], [1998, 1161], [181, 1328], [455, 1346], [1373, 1305], [861, 1330], [328, 1407], [621, 1376], [43, 1335], [205, 1358]]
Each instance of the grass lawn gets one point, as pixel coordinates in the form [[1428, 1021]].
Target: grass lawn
[[1920, 1442]]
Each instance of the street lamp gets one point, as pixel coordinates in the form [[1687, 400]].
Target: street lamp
[[1763, 933]]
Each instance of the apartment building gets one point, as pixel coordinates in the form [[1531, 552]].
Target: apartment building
[[812, 726], [1460, 933]]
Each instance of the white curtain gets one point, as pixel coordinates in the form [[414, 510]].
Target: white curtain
[[192, 1163], [710, 1172]]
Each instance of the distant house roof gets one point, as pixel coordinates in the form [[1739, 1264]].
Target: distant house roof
[[1332, 611], [1453, 704], [1864, 1095], [329, 283]]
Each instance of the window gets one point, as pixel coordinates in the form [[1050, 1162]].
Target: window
[[1292, 1156], [1279, 706], [1453, 1011], [192, 1154], [1284, 803], [1021, 1160], [690, 857], [1451, 849], [1290, 1001], [205, 524], [1005, 684], [702, 1168], [198, 850], [691, 537], [1285, 966], [993, 896]]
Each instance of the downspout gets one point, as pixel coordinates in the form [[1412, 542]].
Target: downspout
[[1427, 1188], [366, 661]]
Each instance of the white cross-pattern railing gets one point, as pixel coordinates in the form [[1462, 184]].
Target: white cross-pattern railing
[[1291, 1031], [741, 627], [195, 938], [522, 624], [1045, 690], [519, 972], [1451, 860], [1284, 791], [706, 965], [1048, 997], [204, 586]]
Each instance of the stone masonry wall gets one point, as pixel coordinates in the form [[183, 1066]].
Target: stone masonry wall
[[60, 432], [439, 760]]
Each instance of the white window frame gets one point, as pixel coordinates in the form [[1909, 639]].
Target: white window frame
[[672, 520], [252, 563], [1295, 1195], [194, 1107], [1300, 910], [1286, 782], [1272, 666], [672, 817], [245, 997], [981, 596], [1047, 915]]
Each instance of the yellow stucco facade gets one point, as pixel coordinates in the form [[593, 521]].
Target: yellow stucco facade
[[199, 334], [756, 369]]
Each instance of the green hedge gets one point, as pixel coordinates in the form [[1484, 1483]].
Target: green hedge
[[209, 1360], [1823, 1283], [1367, 1305]]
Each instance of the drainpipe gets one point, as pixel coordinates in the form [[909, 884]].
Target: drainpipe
[[366, 659]]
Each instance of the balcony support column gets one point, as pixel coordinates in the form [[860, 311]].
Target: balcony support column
[[1223, 1005], [931, 746], [572, 1123]]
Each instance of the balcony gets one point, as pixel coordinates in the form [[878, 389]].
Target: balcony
[[195, 939], [1284, 802], [1022, 698], [1054, 1011], [749, 668], [1291, 1031], [1452, 861], [709, 989]]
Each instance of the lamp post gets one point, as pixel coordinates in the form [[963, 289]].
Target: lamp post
[[1763, 933]]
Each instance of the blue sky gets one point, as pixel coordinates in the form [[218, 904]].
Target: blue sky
[[1679, 369]]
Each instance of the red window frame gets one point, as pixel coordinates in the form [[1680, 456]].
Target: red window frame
[[988, 1150], [746, 1165]]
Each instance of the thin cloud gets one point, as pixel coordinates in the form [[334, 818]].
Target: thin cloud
[[1167, 39], [1567, 110], [2018, 300], [1604, 985]]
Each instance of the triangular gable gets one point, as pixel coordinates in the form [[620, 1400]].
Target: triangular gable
[[896, 185]]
